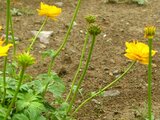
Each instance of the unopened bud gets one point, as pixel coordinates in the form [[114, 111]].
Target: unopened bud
[[90, 19], [94, 29], [25, 59], [149, 32]]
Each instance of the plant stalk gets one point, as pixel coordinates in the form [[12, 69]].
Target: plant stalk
[[5, 59], [66, 37], [83, 74], [12, 34], [79, 67], [103, 89], [16, 93], [150, 80], [35, 37]]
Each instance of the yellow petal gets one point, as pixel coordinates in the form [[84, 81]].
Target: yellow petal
[[49, 11], [138, 51], [4, 49]]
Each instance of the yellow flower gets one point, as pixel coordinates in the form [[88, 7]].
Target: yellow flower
[[138, 51], [149, 32], [4, 49], [49, 11]]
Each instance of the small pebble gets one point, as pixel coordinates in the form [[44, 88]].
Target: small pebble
[[111, 93], [59, 4]]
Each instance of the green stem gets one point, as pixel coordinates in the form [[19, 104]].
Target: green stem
[[5, 59], [50, 65], [83, 75], [45, 89], [66, 37], [35, 37], [16, 93], [103, 89], [4, 80], [12, 33], [150, 80], [80, 65]]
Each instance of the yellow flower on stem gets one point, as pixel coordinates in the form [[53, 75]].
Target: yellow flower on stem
[[138, 51], [49, 11], [4, 49], [149, 32]]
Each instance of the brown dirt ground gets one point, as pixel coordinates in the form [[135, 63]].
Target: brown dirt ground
[[120, 23]]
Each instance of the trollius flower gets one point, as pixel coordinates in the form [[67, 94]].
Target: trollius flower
[[4, 49], [49, 11], [138, 51]]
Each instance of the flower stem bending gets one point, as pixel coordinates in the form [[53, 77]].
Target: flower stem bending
[[150, 80], [103, 89], [80, 65], [35, 37], [83, 74], [16, 93], [5, 59], [65, 38]]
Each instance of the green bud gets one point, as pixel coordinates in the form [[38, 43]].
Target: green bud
[[90, 19], [94, 29], [149, 32], [25, 59]]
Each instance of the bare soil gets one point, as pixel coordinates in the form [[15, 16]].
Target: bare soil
[[119, 23]]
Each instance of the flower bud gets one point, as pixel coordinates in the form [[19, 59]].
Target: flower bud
[[25, 59], [94, 29], [149, 32], [90, 19]]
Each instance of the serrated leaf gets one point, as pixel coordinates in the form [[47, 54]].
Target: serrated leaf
[[2, 112], [27, 101], [34, 115], [20, 117], [55, 86], [38, 86]]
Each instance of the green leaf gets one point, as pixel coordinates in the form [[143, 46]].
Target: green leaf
[[12, 70], [55, 86], [38, 86], [20, 117], [48, 53], [58, 87], [2, 112], [60, 113], [29, 100], [34, 115], [16, 12]]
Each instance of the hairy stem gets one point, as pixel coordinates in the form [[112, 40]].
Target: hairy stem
[[5, 59], [150, 80], [12, 33], [66, 37], [79, 67], [83, 75], [35, 37]]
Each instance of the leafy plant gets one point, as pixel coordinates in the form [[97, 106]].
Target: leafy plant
[[24, 96]]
